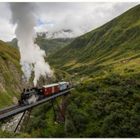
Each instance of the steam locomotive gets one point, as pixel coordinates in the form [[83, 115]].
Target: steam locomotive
[[34, 94]]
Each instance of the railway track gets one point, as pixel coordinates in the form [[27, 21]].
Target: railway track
[[7, 109], [15, 109]]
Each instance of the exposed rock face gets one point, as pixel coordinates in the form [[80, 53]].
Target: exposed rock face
[[12, 124]]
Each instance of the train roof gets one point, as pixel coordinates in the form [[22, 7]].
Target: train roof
[[63, 82], [51, 85], [55, 84]]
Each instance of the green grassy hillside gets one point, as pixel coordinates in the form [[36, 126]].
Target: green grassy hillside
[[10, 74], [114, 46], [52, 45]]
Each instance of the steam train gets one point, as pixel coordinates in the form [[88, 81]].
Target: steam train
[[34, 94]]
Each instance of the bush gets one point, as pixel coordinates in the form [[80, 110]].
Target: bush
[[113, 79]]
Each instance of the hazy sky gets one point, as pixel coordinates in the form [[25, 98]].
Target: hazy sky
[[79, 17]]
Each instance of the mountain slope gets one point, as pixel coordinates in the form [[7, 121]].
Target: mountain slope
[[115, 43], [49, 45], [13, 43], [10, 74], [52, 45]]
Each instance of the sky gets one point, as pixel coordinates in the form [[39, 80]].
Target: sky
[[54, 17]]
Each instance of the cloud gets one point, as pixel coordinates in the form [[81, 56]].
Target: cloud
[[52, 17], [79, 17], [6, 28]]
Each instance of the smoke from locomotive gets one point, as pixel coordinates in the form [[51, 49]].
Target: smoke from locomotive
[[32, 57]]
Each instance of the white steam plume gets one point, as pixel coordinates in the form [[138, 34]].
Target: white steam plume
[[32, 57]]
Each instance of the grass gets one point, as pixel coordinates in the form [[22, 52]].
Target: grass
[[10, 73]]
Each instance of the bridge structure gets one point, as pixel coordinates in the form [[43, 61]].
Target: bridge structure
[[16, 109]]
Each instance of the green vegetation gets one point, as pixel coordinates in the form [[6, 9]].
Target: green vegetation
[[44, 124], [106, 107], [5, 134], [10, 74], [52, 45]]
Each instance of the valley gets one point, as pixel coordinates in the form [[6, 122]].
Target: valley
[[105, 66]]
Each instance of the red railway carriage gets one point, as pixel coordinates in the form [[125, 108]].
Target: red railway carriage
[[50, 89]]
